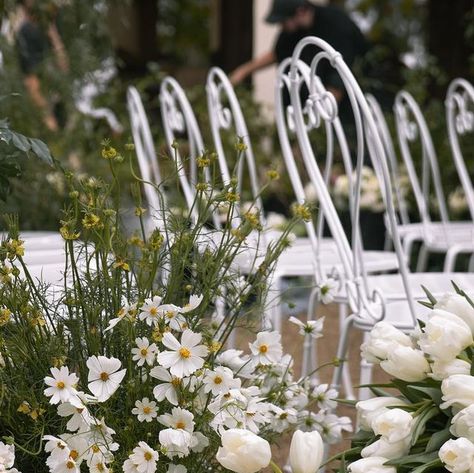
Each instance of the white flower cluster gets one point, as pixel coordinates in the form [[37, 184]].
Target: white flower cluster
[[196, 391], [437, 351], [7, 458]]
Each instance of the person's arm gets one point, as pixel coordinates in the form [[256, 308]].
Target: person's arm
[[58, 48], [33, 86], [248, 68]]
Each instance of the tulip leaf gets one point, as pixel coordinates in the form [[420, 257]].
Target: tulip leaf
[[430, 296], [420, 422], [433, 393], [437, 439], [428, 466], [423, 458]]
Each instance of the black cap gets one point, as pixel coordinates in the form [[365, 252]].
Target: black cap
[[283, 9]]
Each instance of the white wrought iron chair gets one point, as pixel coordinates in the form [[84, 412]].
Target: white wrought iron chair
[[460, 121], [438, 236], [371, 298]]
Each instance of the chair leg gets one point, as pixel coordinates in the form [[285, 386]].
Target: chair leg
[[346, 374], [471, 264], [272, 307], [310, 352], [342, 352], [422, 259], [366, 371], [450, 259]]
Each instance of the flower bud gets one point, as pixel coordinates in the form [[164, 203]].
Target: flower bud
[[407, 364], [370, 409], [371, 465], [457, 455], [458, 391], [458, 305], [306, 452]]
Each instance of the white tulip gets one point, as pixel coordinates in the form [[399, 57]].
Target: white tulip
[[371, 465], [445, 335], [462, 424], [458, 305], [458, 391], [243, 452], [407, 364], [306, 452], [443, 369], [391, 450], [457, 455], [393, 424], [383, 339], [370, 409]]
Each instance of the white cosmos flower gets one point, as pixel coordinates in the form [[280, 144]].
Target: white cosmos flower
[[127, 311], [240, 365], [184, 358], [194, 302], [104, 376], [327, 290], [67, 465], [267, 348], [99, 432], [313, 328], [330, 426], [77, 445], [62, 386], [200, 442], [129, 467], [80, 416], [145, 410], [172, 316], [176, 469], [56, 447], [283, 418], [144, 352], [101, 453], [167, 389], [149, 311], [178, 419], [175, 442], [221, 380], [144, 457], [98, 467], [7, 456], [325, 396]]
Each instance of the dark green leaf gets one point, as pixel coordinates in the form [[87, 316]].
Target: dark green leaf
[[421, 420], [428, 466], [437, 439], [419, 458], [41, 150], [20, 142]]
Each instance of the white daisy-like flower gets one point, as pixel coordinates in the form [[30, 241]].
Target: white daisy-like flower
[[149, 311], [145, 410], [176, 468], [144, 457], [62, 386], [78, 447], [144, 352], [7, 456], [104, 376], [233, 359], [267, 348], [314, 328], [167, 389], [101, 453], [200, 442], [178, 419], [127, 311], [221, 380], [80, 416], [67, 465], [175, 442], [98, 467], [194, 302], [129, 467], [283, 418], [325, 397], [173, 317], [330, 426], [184, 358], [327, 290], [99, 432], [56, 447]]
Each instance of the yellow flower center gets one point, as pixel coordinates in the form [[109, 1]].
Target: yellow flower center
[[217, 380], [100, 467], [154, 311], [175, 382], [60, 385], [148, 456], [70, 465], [95, 448], [263, 348], [170, 314], [180, 425], [74, 454], [104, 376], [144, 352], [146, 410], [184, 352]]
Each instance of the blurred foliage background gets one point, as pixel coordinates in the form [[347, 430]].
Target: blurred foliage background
[[419, 45]]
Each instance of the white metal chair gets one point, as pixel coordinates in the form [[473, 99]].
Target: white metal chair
[[371, 298], [437, 236]]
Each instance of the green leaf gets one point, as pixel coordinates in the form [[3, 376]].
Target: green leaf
[[433, 393], [20, 142], [428, 466], [437, 439], [414, 460], [420, 422], [430, 296], [41, 150]]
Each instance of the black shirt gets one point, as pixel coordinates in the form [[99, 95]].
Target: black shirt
[[336, 28], [32, 46]]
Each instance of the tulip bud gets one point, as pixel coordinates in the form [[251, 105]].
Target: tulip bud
[[407, 364], [462, 424], [370, 409], [243, 452], [458, 305], [445, 335], [383, 448], [393, 424], [457, 455], [458, 391], [371, 465], [442, 369], [306, 452]]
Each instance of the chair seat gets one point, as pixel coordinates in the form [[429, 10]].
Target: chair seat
[[439, 232], [397, 310]]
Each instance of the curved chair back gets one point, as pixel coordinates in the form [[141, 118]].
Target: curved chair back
[[388, 145], [411, 126], [145, 148], [364, 301], [225, 113], [460, 118]]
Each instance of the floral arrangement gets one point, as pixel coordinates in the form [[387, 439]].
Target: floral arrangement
[[425, 423], [127, 363]]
